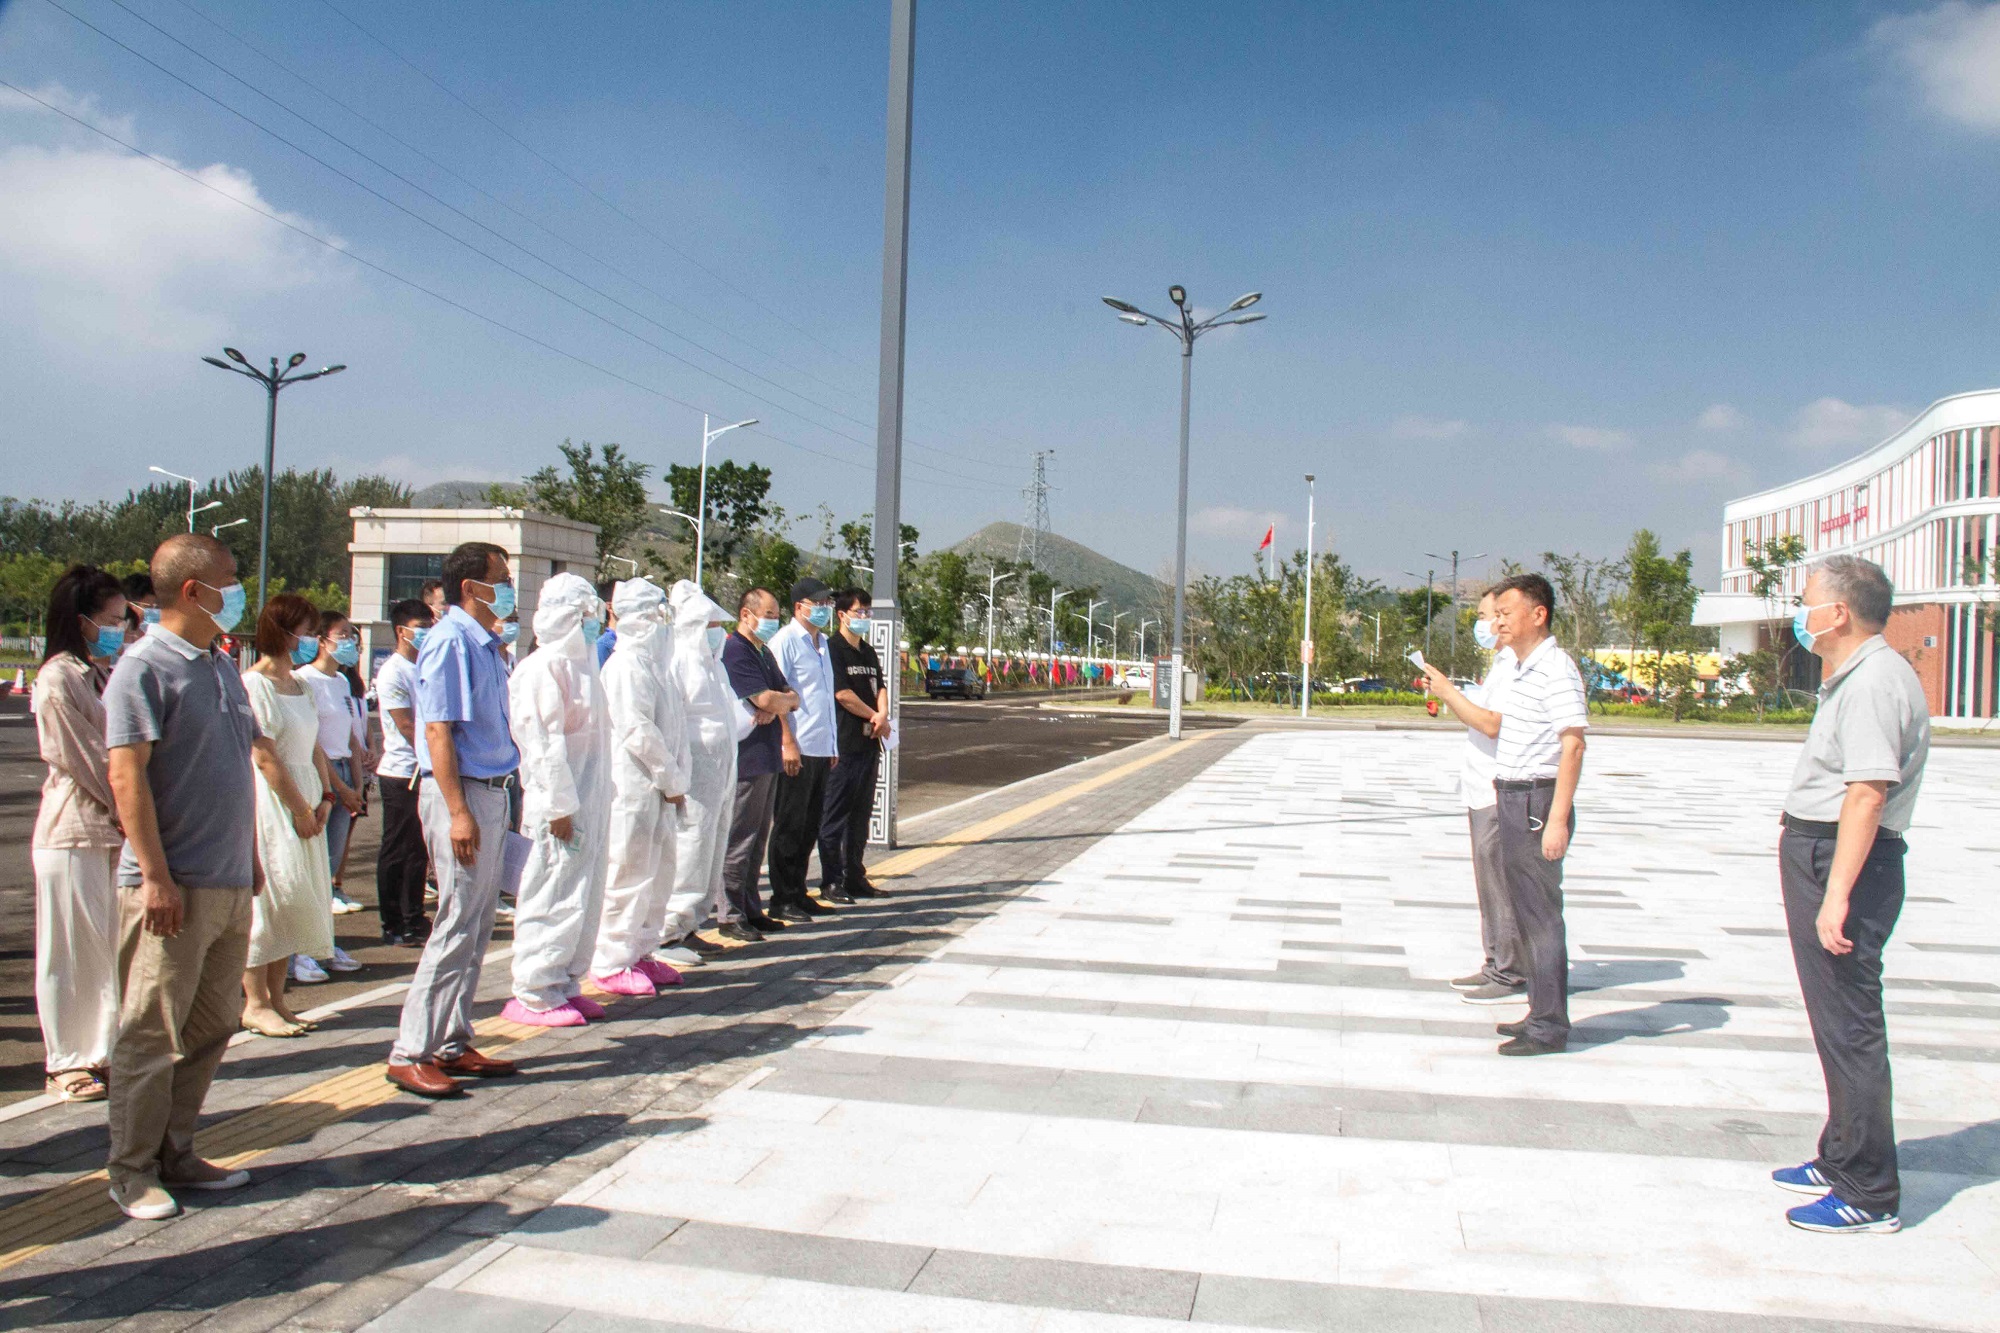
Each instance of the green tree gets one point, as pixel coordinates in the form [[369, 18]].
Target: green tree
[[1761, 671], [1769, 561], [1657, 607], [25, 580], [739, 504], [769, 560], [609, 491]]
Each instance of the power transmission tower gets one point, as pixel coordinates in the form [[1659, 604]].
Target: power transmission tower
[[1036, 492]]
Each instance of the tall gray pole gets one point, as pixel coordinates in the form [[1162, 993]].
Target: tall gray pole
[[1454, 609], [1180, 554], [270, 458], [1305, 645], [886, 631]]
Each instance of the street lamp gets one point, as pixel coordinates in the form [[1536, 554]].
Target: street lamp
[[1430, 578], [1142, 635], [275, 380], [192, 483], [627, 559], [1054, 597], [708, 437], [1185, 330], [1306, 644], [219, 528], [1430, 555], [993, 580], [1090, 626], [1114, 635]]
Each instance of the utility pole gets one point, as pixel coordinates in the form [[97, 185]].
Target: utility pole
[[993, 580], [1430, 578], [1454, 597], [1028, 549], [1054, 597], [1306, 644], [886, 630]]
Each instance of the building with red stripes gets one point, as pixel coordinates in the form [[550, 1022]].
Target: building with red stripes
[[1924, 504]]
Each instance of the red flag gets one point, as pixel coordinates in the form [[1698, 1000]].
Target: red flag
[[1270, 534]]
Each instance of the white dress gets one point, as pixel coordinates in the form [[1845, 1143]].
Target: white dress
[[294, 913]]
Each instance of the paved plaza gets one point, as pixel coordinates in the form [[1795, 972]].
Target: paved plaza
[[1159, 1039]]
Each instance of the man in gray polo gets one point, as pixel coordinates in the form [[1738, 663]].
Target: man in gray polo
[[178, 726], [1840, 861]]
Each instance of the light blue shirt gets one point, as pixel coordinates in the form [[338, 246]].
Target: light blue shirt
[[462, 679], [809, 671]]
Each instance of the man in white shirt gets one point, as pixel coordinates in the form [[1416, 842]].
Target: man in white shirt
[[1502, 975], [1537, 762], [809, 750], [402, 863]]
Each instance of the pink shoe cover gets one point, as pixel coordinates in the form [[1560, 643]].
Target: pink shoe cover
[[659, 973], [629, 982], [586, 1006], [562, 1016]]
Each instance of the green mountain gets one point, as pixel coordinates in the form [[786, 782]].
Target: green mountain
[[1074, 565]]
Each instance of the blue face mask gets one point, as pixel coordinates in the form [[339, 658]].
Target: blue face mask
[[511, 630], [502, 604], [305, 650], [858, 626], [1799, 630], [150, 614], [347, 652], [766, 629], [593, 629], [717, 636], [820, 617], [1483, 635], [418, 635], [234, 599], [109, 641]]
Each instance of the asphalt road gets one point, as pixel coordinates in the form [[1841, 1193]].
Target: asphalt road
[[952, 750]]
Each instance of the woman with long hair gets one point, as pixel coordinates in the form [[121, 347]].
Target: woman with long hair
[[294, 913], [338, 647], [76, 839]]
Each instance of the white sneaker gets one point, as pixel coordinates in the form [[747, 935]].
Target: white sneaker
[[344, 905], [342, 961], [679, 955], [145, 1203], [305, 971], [504, 912]]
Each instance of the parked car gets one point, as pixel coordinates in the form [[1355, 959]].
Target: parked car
[[1134, 678], [954, 683], [1364, 685]]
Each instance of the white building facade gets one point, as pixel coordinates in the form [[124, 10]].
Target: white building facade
[[1925, 505]]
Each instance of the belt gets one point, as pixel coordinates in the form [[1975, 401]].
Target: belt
[[1820, 828], [1522, 784], [502, 783]]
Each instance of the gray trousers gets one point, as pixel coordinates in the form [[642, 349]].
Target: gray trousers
[[1534, 891], [437, 1012], [1843, 995], [749, 830], [1499, 935]]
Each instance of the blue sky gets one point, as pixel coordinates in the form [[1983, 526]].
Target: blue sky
[[1537, 274]]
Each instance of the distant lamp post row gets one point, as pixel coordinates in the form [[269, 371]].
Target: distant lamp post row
[[1185, 330], [275, 380]]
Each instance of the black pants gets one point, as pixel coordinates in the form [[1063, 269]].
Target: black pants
[[402, 862], [1534, 891], [795, 826], [843, 829], [749, 833], [1843, 994]]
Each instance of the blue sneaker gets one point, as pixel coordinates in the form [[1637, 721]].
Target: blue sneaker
[[1830, 1214], [1801, 1179]]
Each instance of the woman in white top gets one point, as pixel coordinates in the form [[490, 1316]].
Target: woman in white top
[[339, 647], [294, 913], [76, 839]]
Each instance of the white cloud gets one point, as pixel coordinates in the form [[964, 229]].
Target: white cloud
[[102, 251], [1427, 428], [1232, 521], [1827, 424], [1721, 417], [84, 106], [1601, 438], [1700, 465], [1952, 53]]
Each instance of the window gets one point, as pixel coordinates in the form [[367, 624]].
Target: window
[[409, 573]]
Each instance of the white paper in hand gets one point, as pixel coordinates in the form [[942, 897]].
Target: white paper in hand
[[1417, 658]]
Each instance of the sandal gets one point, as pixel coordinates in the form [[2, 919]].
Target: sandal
[[76, 1085]]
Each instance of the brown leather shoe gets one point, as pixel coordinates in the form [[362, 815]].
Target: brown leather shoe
[[426, 1080], [474, 1065]]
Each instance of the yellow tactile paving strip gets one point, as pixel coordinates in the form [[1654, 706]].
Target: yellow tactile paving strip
[[83, 1205]]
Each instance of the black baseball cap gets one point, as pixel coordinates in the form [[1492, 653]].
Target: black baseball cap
[[810, 590]]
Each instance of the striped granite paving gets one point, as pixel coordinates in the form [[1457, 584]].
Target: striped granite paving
[[1209, 1072]]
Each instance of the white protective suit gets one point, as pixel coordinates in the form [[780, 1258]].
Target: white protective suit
[[649, 764], [563, 726], [716, 721]]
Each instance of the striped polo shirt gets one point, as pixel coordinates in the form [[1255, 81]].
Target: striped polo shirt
[[1545, 698]]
